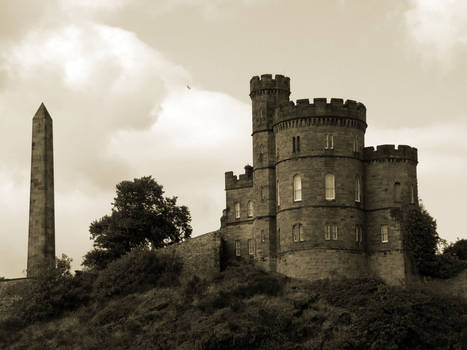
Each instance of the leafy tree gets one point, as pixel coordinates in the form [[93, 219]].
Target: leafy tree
[[423, 244], [422, 239], [458, 249], [141, 217]]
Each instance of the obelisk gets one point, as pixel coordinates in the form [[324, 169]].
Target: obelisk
[[41, 242]]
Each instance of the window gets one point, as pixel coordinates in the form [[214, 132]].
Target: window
[[237, 248], [250, 209], [297, 188], [251, 247], [237, 210], [384, 233], [329, 141], [358, 233], [298, 233], [295, 233], [357, 189], [412, 194], [330, 232], [263, 238], [298, 143], [278, 195], [293, 144], [330, 188], [334, 232], [397, 192]]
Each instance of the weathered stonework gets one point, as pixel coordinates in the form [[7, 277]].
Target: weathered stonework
[[313, 139], [200, 255], [41, 242]]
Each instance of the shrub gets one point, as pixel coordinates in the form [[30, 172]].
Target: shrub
[[137, 271]]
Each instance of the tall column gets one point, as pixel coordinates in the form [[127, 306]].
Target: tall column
[[41, 242]]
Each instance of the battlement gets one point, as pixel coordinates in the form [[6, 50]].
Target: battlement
[[320, 107], [267, 82], [387, 152], [243, 180]]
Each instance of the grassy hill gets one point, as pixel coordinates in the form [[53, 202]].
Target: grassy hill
[[243, 308]]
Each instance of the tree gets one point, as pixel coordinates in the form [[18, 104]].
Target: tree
[[458, 249], [141, 217]]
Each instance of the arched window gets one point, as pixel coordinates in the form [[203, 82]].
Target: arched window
[[330, 187], [237, 210], [251, 210], [297, 188], [357, 189]]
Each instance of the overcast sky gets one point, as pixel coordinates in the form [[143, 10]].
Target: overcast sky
[[113, 75]]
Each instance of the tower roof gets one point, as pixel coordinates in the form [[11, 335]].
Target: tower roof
[[42, 112]]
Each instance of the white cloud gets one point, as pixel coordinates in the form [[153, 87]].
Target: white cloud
[[438, 27]]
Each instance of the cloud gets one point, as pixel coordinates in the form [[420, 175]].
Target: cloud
[[438, 27]]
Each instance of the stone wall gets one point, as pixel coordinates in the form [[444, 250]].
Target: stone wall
[[323, 263], [200, 255]]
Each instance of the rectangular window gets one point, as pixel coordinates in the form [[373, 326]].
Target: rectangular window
[[358, 233], [384, 233], [278, 195], [329, 141], [334, 232], [329, 184], [293, 144], [262, 236], [327, 233], [355, 144], [237, 248], [412, 194], [298, 143], [251, 247]]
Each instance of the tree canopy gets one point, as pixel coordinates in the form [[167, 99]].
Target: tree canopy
[[141, 216]]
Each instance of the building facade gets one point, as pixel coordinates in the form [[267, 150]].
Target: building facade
[[317, 203]]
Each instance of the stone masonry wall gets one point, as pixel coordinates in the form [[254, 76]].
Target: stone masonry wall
[[200, 255]]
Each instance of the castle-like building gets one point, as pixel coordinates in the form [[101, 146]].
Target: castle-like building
[[317, 203]]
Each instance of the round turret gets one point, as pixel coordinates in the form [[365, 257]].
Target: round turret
[[319, 176]]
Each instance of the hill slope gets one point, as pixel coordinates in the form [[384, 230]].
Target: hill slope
[[243, 308]]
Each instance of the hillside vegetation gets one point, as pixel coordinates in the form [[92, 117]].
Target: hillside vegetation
[[126, 307]]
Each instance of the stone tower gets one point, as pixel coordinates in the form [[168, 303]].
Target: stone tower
[[41, 241]]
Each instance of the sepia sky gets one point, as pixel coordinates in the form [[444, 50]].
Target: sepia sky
[[113, 75]]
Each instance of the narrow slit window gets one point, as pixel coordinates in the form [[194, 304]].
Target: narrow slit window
[[262, 236], [251, 210], [237, 210], [357, 189], [298, 143], [329, 183], [237, 248], [412, 194], [334, 232], [384, 233], [297, 188], [293, 144], [327, 232], [278, 195], [358, 233], [355, 144], [329, 141]]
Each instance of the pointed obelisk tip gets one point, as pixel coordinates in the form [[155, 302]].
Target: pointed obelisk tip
[[42, 112]]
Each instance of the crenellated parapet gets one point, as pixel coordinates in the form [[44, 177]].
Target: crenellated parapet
[[334, 112], [390, 153], [243, 180], [266, 83]]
